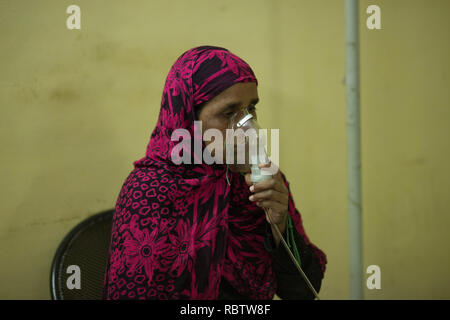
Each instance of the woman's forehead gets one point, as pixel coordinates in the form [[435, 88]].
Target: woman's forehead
[[239, 93]]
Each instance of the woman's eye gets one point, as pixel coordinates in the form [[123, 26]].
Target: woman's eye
[[228, 114]]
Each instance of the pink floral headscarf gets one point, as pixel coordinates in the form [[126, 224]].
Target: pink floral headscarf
[[178, 229]]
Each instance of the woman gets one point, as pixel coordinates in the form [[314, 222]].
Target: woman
[[191, 231]]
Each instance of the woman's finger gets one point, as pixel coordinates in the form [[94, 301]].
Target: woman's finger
[[270, 194], [271, 183], [275, 205], [274, 169]]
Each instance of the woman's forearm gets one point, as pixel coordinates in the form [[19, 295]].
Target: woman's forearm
[[290, 283]]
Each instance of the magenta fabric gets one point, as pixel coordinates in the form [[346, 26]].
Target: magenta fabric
[[178, 229]]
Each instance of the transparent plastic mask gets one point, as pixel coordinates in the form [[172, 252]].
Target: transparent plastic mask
[[245, 142]]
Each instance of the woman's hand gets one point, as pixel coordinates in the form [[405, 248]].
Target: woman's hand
[[273, 195]]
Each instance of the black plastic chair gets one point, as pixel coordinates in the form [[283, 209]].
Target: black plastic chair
[[86, 246]]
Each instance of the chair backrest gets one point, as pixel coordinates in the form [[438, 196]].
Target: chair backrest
[[86, 246]]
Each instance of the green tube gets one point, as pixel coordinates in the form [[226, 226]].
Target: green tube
[[353, 148]]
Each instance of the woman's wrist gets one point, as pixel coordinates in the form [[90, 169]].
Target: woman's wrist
[[276, 237]]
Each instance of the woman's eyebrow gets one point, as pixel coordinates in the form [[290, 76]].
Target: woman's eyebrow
[[232, 105]]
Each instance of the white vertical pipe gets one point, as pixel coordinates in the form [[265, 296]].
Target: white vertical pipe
[[353, 148]]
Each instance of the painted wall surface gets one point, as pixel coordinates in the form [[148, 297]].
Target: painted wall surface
[[77, 107]]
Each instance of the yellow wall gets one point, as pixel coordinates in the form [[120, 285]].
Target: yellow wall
[[78, 107]]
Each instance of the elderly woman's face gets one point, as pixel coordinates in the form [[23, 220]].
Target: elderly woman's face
[[217, 112]]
